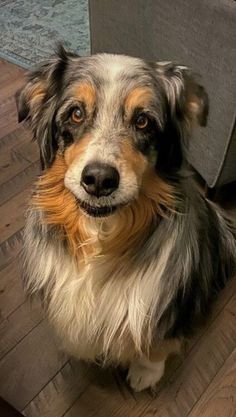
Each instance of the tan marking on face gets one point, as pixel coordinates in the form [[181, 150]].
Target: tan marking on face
[[151, 185], [76, 150], [139, 97], [86, 93], [133, 159]]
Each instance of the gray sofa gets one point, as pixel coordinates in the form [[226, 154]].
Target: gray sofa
[[200, 34]]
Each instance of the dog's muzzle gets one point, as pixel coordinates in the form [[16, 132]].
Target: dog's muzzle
[[99, 180]]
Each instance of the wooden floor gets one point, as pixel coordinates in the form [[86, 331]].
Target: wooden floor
[[36, 377]]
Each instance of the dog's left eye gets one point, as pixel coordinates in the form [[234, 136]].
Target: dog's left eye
[[77, 115], [141, 121]]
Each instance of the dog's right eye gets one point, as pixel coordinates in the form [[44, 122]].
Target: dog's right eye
[[77, 115]]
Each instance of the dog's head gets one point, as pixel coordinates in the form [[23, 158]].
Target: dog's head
[[115, 120]]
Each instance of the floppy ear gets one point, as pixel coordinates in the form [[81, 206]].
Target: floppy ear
[[37, 103], [186, 105], [187, 99]]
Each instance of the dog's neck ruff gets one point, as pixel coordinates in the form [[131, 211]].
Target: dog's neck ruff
[[120, 234]]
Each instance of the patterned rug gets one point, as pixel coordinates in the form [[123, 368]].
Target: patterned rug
[[30, 29]]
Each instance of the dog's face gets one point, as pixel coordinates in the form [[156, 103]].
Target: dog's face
[[116, 121]]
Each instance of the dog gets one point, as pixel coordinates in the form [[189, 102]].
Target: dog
[[124, 250]]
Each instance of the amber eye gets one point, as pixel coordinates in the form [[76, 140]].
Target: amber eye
[[141, 121], [77, 116]]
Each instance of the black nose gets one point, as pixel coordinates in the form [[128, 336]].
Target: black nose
[[100, 179]]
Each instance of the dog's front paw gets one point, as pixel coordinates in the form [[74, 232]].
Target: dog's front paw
[[145, 374]]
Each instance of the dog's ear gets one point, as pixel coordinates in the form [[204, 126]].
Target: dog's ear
[[186, 105], [37, 102], [187, 99]]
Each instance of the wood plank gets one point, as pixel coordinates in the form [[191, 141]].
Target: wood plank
[[10, 88], [11, 289], [105, 400], [28, 150], [69, 383], [12, 78], [15, 138], [19, 182], [18, 324], [9, 71], [10, 249], [12, 214], [11, 163], [8, 116], [14, 159], [8, 74], [219, 400], [29, 366]]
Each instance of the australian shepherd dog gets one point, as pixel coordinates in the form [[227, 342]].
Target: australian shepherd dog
[[125, 251]]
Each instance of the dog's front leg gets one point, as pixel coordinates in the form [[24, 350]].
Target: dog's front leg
[[146, 371]]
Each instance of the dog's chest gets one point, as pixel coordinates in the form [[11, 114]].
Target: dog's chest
[[93, 309], [106, 306]]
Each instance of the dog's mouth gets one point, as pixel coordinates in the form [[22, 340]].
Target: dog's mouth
[[94, 211]]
